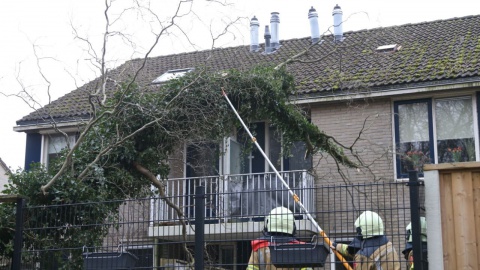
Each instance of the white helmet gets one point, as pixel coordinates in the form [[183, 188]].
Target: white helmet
[[423, 225], [280, 220], [369, 224]]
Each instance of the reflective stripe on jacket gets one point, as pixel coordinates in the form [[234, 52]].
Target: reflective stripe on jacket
[[410, 260]]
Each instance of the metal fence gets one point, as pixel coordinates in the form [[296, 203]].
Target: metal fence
[[146, 234], [237, 196]]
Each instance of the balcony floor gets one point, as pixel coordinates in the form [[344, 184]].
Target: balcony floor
[[233, 230]]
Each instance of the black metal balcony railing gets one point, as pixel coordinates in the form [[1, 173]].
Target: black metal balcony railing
[[240, 197]]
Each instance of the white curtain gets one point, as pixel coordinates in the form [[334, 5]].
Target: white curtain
[[454, 118], [413, 122]]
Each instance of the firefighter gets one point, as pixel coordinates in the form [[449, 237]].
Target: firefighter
[[279, 225], [408, 251], [370, 249]]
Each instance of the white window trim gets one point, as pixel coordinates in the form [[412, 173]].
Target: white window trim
[[45, 144], [476, 127]]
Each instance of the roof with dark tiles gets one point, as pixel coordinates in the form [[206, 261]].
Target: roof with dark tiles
[[432, 53]]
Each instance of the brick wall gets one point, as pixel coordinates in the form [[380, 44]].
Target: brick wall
[[344, 121]]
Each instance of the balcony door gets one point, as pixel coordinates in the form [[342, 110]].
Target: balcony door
[[243, 157], [202, 169]]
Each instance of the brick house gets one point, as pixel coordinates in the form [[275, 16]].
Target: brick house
[[401, 95]]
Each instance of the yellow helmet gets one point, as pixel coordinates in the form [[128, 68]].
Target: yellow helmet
[[369, 224], [280, 220], [423, 225]]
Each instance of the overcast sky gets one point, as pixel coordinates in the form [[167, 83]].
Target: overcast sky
[[46, 28]]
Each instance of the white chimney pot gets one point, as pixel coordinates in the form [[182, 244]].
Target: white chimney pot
[[274, 25], [314, 29]]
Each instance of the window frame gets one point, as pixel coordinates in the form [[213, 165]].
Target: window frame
[[171, 74], [431, 143], [431, 103], [472, 98], [72, 136], [264, 137]]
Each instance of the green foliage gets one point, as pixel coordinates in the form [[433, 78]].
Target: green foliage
[[145, 126], [192, 109], [57, 217]]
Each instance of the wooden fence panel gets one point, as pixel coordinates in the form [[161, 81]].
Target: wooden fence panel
[[476, 201], [460, 214], [447, 222], [464, 222]]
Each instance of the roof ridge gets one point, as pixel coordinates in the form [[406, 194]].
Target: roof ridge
[[307, 37], [411, 24]]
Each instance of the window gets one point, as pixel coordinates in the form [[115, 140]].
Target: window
[[172, 74], [433, 131], [413, 133], [246, 158], [454, 124], [54, 143]]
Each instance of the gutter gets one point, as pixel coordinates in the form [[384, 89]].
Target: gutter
[[387, 92], [50, 126]]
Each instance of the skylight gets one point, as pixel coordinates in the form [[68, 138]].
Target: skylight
[[389, 48], [172, 74]]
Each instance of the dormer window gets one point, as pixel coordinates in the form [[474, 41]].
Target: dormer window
[[171, 74]]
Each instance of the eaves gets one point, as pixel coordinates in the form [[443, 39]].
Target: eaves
[[389, 91], [47, 127]]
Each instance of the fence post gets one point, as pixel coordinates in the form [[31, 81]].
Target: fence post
[[413, 184], [18, 237], [199, 227]]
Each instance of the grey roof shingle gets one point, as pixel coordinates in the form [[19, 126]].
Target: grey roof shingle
[[431, 53]]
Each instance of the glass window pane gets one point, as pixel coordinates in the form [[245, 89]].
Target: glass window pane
[[454, 123], [297, 160], [57, 143], [413, 120], [275, 146], [414, 146], [236, 158]]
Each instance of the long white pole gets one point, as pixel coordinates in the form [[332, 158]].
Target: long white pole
[[295, 196]]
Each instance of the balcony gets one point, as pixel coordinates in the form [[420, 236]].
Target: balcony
[[234, 204]]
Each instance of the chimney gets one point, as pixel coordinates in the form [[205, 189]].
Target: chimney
[[268, 48], [337, 23], [254, 34], [274, 24], [313, 18]]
